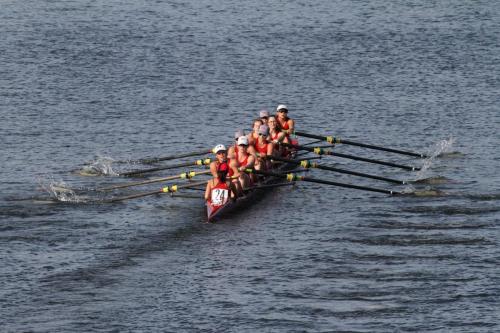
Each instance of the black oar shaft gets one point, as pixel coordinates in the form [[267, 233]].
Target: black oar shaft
[[293, 177], [320, 151], [357, 187], [166, 189], [332, 139], [173, 157], [306, 164], [186, 175], [167, 167]]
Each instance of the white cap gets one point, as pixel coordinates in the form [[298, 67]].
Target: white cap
[[219, 148], [243, 140], [263, 113], [281, 106]]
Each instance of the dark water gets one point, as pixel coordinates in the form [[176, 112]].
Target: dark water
[[125, 80]]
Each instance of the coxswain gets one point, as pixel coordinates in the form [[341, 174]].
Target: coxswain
[[286, 124], [254, 135], [264, 149], [220, 189], [277, 137], [264, 116], [242, 161]]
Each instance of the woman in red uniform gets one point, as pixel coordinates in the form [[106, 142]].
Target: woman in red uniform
[[220, 189], [286, 124], [277, 136], [243, 161], [232, 152], [221, 158], [264, 149], [254, 135]]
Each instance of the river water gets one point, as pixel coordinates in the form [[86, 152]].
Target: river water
[[84, 82]]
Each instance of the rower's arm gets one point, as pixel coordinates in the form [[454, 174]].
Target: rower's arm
[[208, 190], [213, 169], [250, 164], [270, 149]]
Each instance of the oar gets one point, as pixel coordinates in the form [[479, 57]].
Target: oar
[[166, 189], [180, 165], [321, 151], [267, 186], [293, 177], [308, 164], [184, 175], [334, 140], [167, 158]]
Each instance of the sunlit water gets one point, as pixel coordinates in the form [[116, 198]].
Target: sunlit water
[[84, 85]]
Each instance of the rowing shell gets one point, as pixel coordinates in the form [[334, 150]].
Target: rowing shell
[[216, 212]]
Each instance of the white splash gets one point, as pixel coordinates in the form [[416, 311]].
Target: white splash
[[60, 191], [98, 167], [440, 147]]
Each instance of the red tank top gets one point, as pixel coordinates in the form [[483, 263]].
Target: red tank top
[[285, 124], [262, 149], [244, 162], [230, 172]]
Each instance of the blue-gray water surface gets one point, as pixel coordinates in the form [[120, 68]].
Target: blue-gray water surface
[[84, 82]]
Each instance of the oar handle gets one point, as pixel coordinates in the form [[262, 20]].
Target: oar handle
[[333, 140]]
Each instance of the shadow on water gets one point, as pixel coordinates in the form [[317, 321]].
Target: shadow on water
[[451, 210], [419, 240], [403, 225], [137, 248], [437, 180], [97, 274]]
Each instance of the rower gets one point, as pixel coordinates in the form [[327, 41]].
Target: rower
[[221, 158], [264, 149], [254, 135], [233, 150], [243, 161], [275, 133], [264, 115], [220, 189], [286, 124]]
